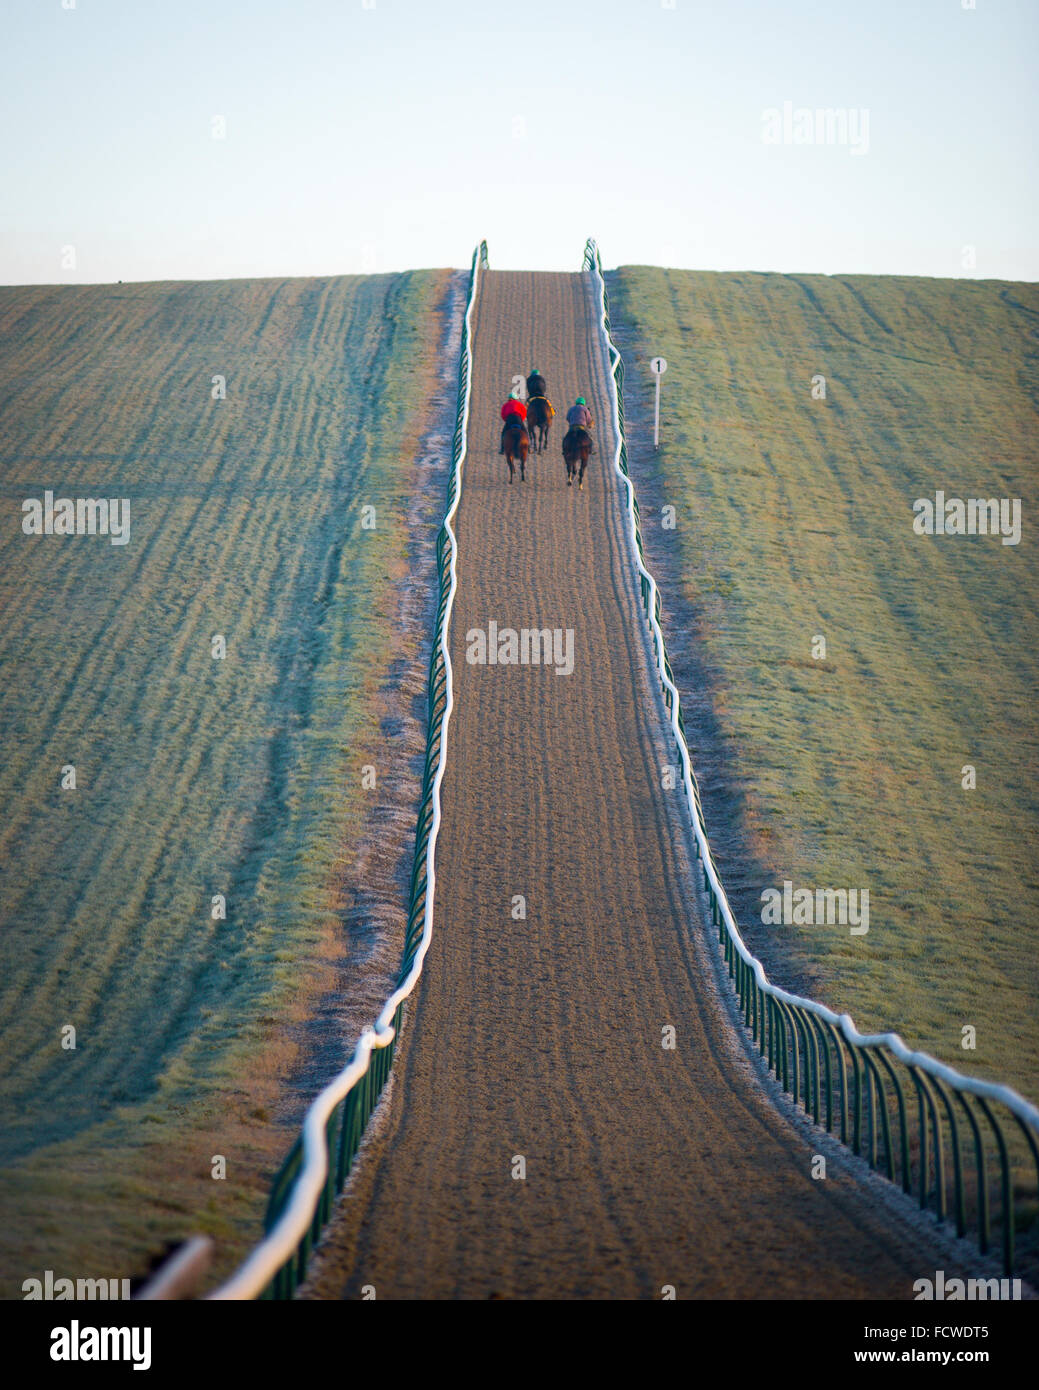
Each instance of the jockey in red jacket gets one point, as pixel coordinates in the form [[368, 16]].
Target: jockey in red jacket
[[513, 407]]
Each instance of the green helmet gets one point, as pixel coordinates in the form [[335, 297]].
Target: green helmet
[[534, 371], [580, 401]]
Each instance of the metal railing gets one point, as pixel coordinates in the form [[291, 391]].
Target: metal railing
[[967, 1148], [319, 1162]]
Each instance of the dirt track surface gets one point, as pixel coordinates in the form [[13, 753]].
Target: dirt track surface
[[542, 1037]]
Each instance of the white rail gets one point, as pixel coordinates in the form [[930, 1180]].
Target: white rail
[[178, 1276], [923, 1060]]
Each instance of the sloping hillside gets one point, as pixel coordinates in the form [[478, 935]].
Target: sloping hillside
[[794, 520], [212, 675]]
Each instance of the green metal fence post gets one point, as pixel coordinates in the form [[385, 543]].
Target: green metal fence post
[[770, 1011], [930, 1121], [802, 1037], [838, 1043], [982, 1177], [857, 1109], [1006, 1187], [878, 1104], [907, 1177], [812, 1051], [957, 1161], [821, 1038]]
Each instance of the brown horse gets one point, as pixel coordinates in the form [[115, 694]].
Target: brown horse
[[577, 448], [539, 421], [517, 445]]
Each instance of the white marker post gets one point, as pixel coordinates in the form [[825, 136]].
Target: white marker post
[[658, 366]]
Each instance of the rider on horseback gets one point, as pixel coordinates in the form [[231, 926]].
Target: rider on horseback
[[513, 407], [542, 411], [579, 416]]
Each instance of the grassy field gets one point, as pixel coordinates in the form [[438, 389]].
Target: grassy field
[[194, 776], [793, 521]]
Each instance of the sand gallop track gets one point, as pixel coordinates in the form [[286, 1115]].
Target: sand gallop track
[[540, 1037]]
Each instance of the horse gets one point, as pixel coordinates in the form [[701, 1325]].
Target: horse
[[539, 421], [577, 446], [517, 445]]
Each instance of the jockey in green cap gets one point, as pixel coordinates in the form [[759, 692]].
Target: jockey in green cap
[[535, 383]]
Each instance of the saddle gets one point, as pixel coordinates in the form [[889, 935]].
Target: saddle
[[574, 436]]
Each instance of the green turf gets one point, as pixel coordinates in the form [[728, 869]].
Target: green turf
[[794, 519], [195, 776]]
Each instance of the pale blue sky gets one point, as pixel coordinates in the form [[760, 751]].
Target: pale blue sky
[[395, 136]]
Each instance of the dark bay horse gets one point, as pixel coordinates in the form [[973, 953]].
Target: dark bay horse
[[577, 448], [517, 445], [539, 421]]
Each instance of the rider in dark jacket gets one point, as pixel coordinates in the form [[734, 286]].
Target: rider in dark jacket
[[536, 383]]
